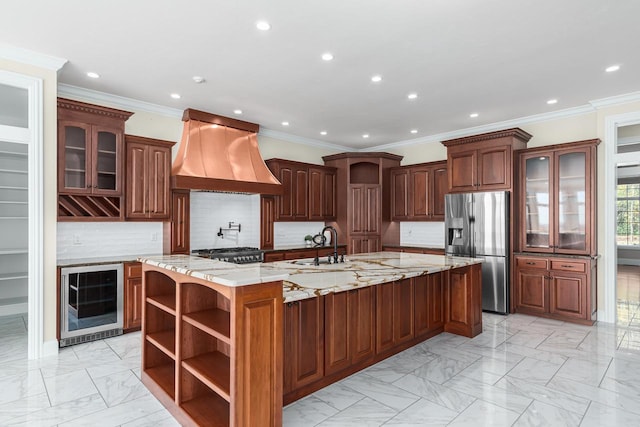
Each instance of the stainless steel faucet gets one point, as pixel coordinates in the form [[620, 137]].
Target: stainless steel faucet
[[335, 241]]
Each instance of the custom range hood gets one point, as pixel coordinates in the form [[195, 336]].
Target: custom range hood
[[220, 154]]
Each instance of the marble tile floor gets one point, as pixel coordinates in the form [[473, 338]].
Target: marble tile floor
[[521, 371]]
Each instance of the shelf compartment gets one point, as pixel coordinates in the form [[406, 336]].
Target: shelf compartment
[[164, 341], [161, 329], [164, 302], [215, 322], [161, 291], [207, 310], [213, 370], [160, 368], [201, 404]]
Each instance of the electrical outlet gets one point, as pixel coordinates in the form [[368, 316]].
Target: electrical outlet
[[76, 239], [154, 237]]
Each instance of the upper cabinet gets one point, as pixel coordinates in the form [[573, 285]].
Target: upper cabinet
[[148, 166], [417, 192], [90, 160], [557, 199], [309, 191], [483, 162]]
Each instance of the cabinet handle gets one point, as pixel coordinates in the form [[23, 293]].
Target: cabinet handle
[[566, 266], [88, 185], [530, 263]]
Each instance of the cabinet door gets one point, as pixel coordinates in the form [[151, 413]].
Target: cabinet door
[[568, 295], [531, 290], [132, 295], [364, 244], [372, 209], [420, 184], [285, 201], [403, 304], [137, 181], [440, 188], [384, 317], [337, 345], [180, 223], [494, 168], [316, 194], [428, 304], [74, 157], [267, 217], [304, 342], [572, 197], [462, 171], [464, 301], [362, 323], [399, 194], [536, 202], [300, 194], [106, 159], [329, 192], [158, 182], [357, 199]]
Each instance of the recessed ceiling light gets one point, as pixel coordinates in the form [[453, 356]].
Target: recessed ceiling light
[[324, 132], [198, 79], [237, 111], [366, 135], [327, 56], [263, 25], [285, 123], [412, 96], [376, 79], [93, 75], [175, 95], [552, 101], [414, 130], [612, 68], [473, 115]]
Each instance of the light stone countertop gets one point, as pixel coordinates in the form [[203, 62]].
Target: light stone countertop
[[301, 279]]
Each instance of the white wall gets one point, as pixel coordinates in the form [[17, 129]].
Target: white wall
[[429, 234], [104, 239], [210, 211], [287, 234]]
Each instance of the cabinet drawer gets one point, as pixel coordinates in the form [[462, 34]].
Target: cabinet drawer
[[291, 255], [532, 262], [132, 270], [273, 256], [569, 265]]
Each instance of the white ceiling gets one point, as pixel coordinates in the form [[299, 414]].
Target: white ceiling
[[500, 58]]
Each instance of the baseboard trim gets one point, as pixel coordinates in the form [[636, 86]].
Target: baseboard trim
[[50, 348]]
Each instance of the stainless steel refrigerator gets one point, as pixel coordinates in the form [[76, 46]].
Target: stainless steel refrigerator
[[477, 225]]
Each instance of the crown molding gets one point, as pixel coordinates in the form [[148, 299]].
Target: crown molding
[[25, 56], [615, 100], [283, 136], [89, 95]]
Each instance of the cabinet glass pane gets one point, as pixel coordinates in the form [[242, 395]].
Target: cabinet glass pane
[[93, 299], [106, 160], [572, 201], [14, 103], [75, 157], [537, 214]]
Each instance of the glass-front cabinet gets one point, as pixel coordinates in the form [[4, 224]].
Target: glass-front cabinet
[[558, 200]]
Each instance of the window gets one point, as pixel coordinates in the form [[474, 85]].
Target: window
[[628, 215]]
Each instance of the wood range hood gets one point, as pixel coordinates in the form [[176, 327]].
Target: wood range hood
[[219, 153]]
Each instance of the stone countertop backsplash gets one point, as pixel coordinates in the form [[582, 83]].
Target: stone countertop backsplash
[[301, 279]]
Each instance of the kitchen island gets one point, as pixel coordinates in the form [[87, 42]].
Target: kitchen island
[[215, 335]]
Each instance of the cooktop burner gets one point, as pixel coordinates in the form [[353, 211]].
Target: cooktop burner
[[239, 255]]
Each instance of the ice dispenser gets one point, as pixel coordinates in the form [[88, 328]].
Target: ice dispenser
[[455, 230]]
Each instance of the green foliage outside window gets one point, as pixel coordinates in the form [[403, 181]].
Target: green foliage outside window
[[628, 215]]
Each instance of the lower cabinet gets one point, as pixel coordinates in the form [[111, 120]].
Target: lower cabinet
[[464, 301], [132, 296], [429, 292], [365, 243], [304, 342], [560, 288], [394, 314]]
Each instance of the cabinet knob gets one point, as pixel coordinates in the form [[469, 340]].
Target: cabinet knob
[[88, 185], [530, 263]]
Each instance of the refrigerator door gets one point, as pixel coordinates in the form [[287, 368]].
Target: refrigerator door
[[494, 284], [491, 223], [458, 224]]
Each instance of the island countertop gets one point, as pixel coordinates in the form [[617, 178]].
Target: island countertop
[[301, 279]]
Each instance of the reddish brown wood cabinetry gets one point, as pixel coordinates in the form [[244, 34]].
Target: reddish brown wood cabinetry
[[560, 288], [267, 218], [483, 162], [429, 308], [417, 192], [148, 166], [394, 314], [178, 229], [464, 301], [303, 343], [132, 296], [90, 161]]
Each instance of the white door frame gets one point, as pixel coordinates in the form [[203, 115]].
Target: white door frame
[[607, 311], [34, 137]]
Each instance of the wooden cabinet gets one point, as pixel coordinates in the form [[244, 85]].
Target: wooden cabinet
[[557, 200], [213, 354], [349, 328], [360, 244], [560, 288], [292, 254], [309, 191], [267, 218], [394, 314], [178, 229], [148, 166], [303, 343], [429, 308], [413, 249], [417, 192], [90, 160], [483, 162], [132, 296], [463, 302]]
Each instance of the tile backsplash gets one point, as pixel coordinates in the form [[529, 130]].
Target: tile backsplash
[[210, 211], [103, 239], [292, 233], [430, 234]]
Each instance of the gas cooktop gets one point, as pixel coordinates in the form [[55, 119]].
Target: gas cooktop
[[239, 255]]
